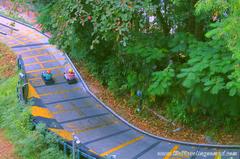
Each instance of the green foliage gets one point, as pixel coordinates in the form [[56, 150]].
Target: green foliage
[[115, 23], [207, 76], [162, 80], [177, 111], [168, 58], [227, 28], [206, 66], [212, 6], [16, 120]]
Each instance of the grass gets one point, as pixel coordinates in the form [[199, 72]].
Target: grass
[[15, 119]]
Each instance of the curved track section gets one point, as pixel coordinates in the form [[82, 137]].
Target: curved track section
[[68, 108]]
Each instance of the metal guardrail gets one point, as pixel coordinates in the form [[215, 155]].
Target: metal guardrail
[[119, 117], [22, 87]]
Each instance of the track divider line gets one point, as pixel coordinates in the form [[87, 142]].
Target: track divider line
[[56, 83], [40, 78], [60, 92], [37, 83], [3, 33], [27, 45], [9, 27], [37, 60], [28, 41], [18, 35], [78, 131], [40, 55], [121, 146], [146, 150], [11, 38], [83, 118], [108, 136], [67, 100], [43, 62], [43, 69], [36, 49]]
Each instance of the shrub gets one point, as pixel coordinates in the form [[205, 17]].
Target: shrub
[[16, 120]]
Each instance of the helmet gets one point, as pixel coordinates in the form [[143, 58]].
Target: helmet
[[70, 70], [48, 71]]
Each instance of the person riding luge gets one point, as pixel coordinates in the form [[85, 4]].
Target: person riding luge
[[70, 76], [47, 77]]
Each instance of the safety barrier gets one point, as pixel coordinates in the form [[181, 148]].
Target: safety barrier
[[22, 87], [76, 150]]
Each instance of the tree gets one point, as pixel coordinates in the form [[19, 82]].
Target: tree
[[177, 52]]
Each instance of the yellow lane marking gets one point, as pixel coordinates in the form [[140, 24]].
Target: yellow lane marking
[[93, 151], [33, 39], [27, 41], [121, 146], [12, 38], [32, 93], [37, 83], [35, 75], [60, 92], [14, 44], [74, 108], [23, 32], [18, 35], [22, 36], [43, 62], [35, 49], [65, 95], [11, 41], [19, 41], [37, 60], [218, 155], [170, 153], [98, 126], [62, 133], [41, 112], [61, 111], [43, 69], [39, 55], [40, 78], [59, 106], [9, 38]]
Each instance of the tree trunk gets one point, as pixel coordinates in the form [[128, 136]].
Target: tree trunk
[[163, 21], [194, 26]]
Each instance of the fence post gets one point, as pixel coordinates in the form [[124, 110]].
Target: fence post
[[78, 154], [65, 150], [73, 148], [25, 92]]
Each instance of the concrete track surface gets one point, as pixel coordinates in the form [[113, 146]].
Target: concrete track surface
[[68, 108]]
